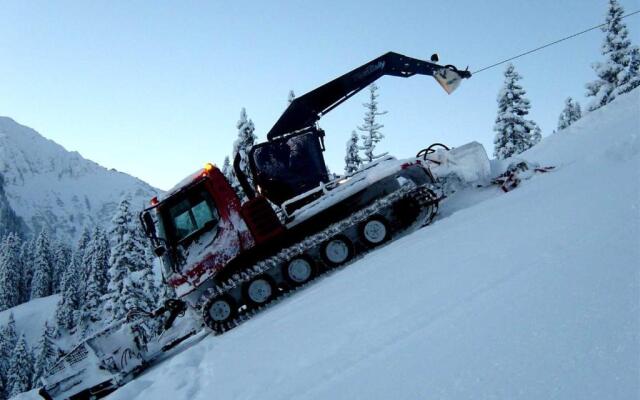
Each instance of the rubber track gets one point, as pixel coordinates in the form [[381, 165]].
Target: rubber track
[[424, 197]]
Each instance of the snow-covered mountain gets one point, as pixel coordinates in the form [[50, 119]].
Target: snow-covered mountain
[[48, 185]]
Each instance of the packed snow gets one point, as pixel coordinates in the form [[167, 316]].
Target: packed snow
[[530, 294]]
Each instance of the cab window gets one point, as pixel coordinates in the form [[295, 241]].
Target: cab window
[[192, 214]]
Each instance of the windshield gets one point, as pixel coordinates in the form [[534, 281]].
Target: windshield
[[191, 214]]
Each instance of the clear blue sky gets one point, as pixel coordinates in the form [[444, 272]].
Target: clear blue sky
[[154, 88]]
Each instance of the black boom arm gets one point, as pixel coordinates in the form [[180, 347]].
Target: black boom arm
[[307, 109]]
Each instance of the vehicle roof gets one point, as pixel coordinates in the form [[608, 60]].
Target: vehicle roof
[[189, 179]]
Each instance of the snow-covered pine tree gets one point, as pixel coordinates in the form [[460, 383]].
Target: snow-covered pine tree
[[67, 311], [81, 249], [291, 97], [118, 262], [8, 340], [81, 246], [352, 159], [10, 272], [130, 275], [89, 313], [616, 48], [245, 141], [46, 356], [372, 134], [570, 114], [27, 258], [100, 254], [9, 336], [96, 264], [42, 281], [630, 76], [227, 170], [514, 133], [536, 135], [61, 259], [20, 368], [150, 290]]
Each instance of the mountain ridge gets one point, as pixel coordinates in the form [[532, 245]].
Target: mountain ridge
[[49, 186]]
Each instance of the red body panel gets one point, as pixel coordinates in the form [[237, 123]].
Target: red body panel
[[236, 232], [261, 220]]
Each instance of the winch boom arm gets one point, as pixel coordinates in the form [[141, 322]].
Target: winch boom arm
[[307, 109]]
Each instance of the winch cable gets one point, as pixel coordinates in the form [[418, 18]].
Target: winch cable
[[550, 44]]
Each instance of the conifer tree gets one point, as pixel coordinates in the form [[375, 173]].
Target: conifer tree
[[9, 336], [570, 114], [89, 313], [67, 311], [130, 285], [150, 280], [617, 51], [46, 356], [352, 158], [27, 258], [245, 141], [514, 133], [10, 271], [227, 170], [536, 136], [42, 281], [630, 76], [371, 128], [20, 369], [61, 259], [96, 259], [96, 264], [81, 246], [291, 97], [8, 340], [81, 249]]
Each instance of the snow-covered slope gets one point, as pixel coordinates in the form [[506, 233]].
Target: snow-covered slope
[[48, 185], [531, 294], [31, 316]]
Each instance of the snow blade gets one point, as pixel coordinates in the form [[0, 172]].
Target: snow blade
[[448, 78], [469, 163]]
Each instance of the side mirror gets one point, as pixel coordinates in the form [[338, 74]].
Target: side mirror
[[435, 58], [148, 224], [159, 251]]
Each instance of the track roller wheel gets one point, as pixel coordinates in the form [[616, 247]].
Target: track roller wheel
[[299, 270], [218, 311], [259, 290], [337, 250], [374, 231]]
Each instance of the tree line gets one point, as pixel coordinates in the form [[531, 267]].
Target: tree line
[[619, 73], [106, 275]]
